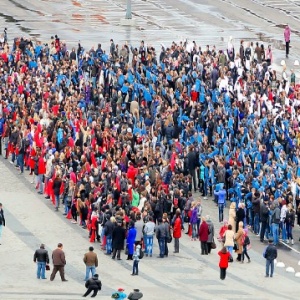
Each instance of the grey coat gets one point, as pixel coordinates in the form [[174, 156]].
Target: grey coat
[[211, 230]]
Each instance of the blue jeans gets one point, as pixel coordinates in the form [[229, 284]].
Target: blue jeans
[[20, 162], [221, 212], [289, 231], [230, 249], [256, 223], [148, 244], [41, 268], [283, 231], [275, 233], [40, 182], [194, 231], [108, 244], [56, 201], [250, 217], [135, 268], [65, 201], [1, 227], [162, 245], [88, 270], [269, 262]]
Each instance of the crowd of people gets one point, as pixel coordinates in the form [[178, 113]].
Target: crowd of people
[[122, 139]]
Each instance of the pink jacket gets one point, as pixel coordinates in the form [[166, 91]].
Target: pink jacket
[[287, 33]]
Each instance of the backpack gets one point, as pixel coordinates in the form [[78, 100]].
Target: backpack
[[141, 254], [246, 241], [115, 296]]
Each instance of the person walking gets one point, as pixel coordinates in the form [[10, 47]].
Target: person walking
[[211, 233], [41, 258], [246, 244], [229, 240], [59, 262], [91, 262], [239, 239], [270, 254], [177, 231], [223, 264], [93, 285], [203, 236], [57, 189], [221, 194], [118, 238], [2, 221], [135, 295], [287, 39]]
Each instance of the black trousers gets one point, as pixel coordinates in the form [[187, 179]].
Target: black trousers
[[287, 48], [118, 252], [222, 273], [0, 144], [204, 248], [263, 230], [89, 290]]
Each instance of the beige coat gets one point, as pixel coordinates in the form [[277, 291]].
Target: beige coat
[[238, 238], [231, 219], [229, 238]]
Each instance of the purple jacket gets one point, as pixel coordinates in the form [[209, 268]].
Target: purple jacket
[[287, 34], [193, 219]]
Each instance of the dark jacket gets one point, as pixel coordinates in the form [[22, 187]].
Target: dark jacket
[[256, 205], [41, 255], [264, 212], [58, 257], [192, 160], [240, 215], [135, 295], [93, 283], [57, 185], [161, 231], [270, 252], [2, 218], [118, 238], [108, 228]]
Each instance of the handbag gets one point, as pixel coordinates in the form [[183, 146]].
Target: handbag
[[47, 267], [169, 239], [236, 246], [213, 244]]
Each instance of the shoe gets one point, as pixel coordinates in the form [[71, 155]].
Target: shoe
[[205, 198], [113, 257], [287, 241], [132, 274], [40, 193], [12, 162], [44, 278], [119, 258], [266, 275], [249, 261], [47, 197], [64, 280], [292, 242], [271, 275]]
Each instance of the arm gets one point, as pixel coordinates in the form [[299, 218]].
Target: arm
[[47, 257], [84, 258], [96, 262], [34, 257]]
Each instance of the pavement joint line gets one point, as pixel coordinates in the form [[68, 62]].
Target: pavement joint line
[[290, 247]]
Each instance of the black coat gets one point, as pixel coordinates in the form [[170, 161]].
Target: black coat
[[41, 255], [118, 237], [93, 283]]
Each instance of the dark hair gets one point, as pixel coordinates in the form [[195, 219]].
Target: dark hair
[[91, 248], [224, 250], [230, 227], [59, 245]]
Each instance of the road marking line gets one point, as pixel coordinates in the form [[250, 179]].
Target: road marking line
[[289, 247]]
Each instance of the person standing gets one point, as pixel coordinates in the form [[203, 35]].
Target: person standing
[[192, 165], [136, 260], [41, 257], [177, 231], [275, 221], [270, 254], [223, 264], [264, 218], [221, 194], [118, 237], [161, 234], [211, 233], [149, 230], [59, 262], [93, 285], [91, 262], [131, 240], [287, 39], [135, 295], [2, 221], [203, 236]]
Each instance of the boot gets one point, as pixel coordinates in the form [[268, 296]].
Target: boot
[[249, 260]]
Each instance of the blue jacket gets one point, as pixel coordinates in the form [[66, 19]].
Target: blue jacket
[[221, 196]]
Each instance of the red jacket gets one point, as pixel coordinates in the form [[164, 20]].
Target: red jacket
[[131, 173], [177, 228], [223, 259], [41, 166], [203, 232]]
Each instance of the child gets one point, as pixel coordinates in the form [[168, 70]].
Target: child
[[136, 259], [245, 246], [223, 264]]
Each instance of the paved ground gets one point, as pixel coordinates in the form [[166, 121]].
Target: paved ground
[[31, 219]]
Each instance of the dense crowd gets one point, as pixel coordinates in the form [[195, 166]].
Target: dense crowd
[[124, 138]]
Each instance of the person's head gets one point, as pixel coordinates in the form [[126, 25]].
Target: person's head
[[225, 223], [229, 227], [241, 224], [203, 219], [177, 212], [0, 205], [207, 217], [42, 246], [60, 245], [96, 275], [270, 241], [224, 250], [91, 248], [233, 205]]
